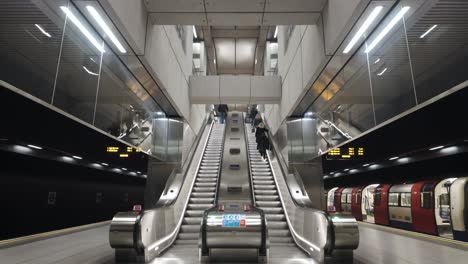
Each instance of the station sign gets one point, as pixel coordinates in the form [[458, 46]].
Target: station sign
[[122, 152], [345, 153]]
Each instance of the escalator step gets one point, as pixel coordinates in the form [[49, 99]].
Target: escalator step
[[186, 242], [190, 229], [263, 182], [192, 206], [278, 233], [267, 197], [263, 178], [287, 239], [277, 225], [269, 204], [275, 217], [206, 184], [202, 200], [265, 192], [192, 220], [272, 210], [204, 189], [264, 187], [203, 194], [188, 236], [194, 213], [203, 179]]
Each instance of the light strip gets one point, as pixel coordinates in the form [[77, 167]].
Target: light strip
[[428, 31], [195, 32], [106, 28], [43, 31], [373, 15], [377, 61], [436, 148], [77, 157], [33, 146], [387, 28], [90, 72], [82, 28], [382, 72], [276, 32], [393, 158]]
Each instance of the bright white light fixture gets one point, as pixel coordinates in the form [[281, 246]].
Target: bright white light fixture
[[106, 28], [195, 32], [82, 28], [214, 61], [428, 31], [34, 146], [377, 61], [90, 72], [346, 169], [365, 165], [373, 15], [77, 157], [276, 32], [43, 31], [382, 72], [436, 148], [124, 169], [104, 164], [387, 28], [255, 61], [393, 158]]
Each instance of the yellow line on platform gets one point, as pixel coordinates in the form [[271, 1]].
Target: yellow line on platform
[[50, 234], [416, 234]]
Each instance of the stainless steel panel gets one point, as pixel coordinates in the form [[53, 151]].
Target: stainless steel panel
[[121, 232], [295, 142]]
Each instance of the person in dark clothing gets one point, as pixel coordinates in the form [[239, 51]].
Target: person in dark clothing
[[257, 121], [222, 110], [263, 144], [253, 113], [261, 129]]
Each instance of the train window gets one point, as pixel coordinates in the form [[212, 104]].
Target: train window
[[377, 196], [349, 199], [444, 199], [358, 197], [426, 199], [393, 199], [343, 198], [405, 199]]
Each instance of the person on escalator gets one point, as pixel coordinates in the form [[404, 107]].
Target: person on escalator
[[253, 114], [222, 110], [263, 145], [261, 129], [256, 122]]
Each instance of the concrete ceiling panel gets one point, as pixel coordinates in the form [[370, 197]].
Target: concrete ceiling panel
[[245, 53], [295, 5], [290, 18], [175, 6], [225, 53], [231, 6], [198, 19], [240, 19]]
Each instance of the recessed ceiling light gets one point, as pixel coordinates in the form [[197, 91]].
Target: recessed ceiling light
[[276, 32], [435, 148], [428, 31], [195, 32], [106, 28], [90, 72], [82, 28], [77, 157], [124, 169], [104, 164], [346, 169], [34, 146], [382, 72], [43, 31], [373, 15], [377, 61], [365, 165], [387, 28], [393, 158]]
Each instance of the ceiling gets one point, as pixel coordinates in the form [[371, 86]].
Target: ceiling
[[238, 12]]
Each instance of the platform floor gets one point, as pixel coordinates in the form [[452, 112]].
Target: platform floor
[[383, 245], [378, 244]]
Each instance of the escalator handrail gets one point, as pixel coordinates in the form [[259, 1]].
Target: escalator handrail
[[246, 135], [220, 165], [158, 246]]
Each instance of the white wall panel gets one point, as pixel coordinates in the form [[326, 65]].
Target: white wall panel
[[234, 89], [204, 89]]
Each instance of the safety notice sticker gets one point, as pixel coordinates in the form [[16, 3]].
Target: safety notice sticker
[[233, 220]]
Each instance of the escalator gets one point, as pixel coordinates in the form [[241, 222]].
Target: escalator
[[204, 191], [266, 194], [231, 204]]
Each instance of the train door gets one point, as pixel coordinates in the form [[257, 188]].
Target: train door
[[367, 203], [458, 208], [422, 207], [442, 207], [381, 204], [346, 200], [356, 197], [331, 200], [337, 199]]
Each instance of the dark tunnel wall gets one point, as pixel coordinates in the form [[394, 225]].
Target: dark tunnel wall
[[82, 195]]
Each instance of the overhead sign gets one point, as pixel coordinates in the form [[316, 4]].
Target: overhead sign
[[123, 152], [345, 153]]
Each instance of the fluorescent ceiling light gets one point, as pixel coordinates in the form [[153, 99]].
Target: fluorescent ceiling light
[[82, 28], [33, 146], [124, 169], [436, 148], [346, 169], [90, 72], [428, 31], [393, 158], [377, 61], [106, 28], [387, 28], [77, 157], [93, 60], [43, 31], [373, 15], [382, 72], [276, 32], [365, 165], [195, 32], [104, 164]]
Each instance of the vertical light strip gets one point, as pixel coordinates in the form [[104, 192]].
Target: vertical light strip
[[195, 32], [82, 28], [387, 28], [373, 15], [276, 32], [106, 28]]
